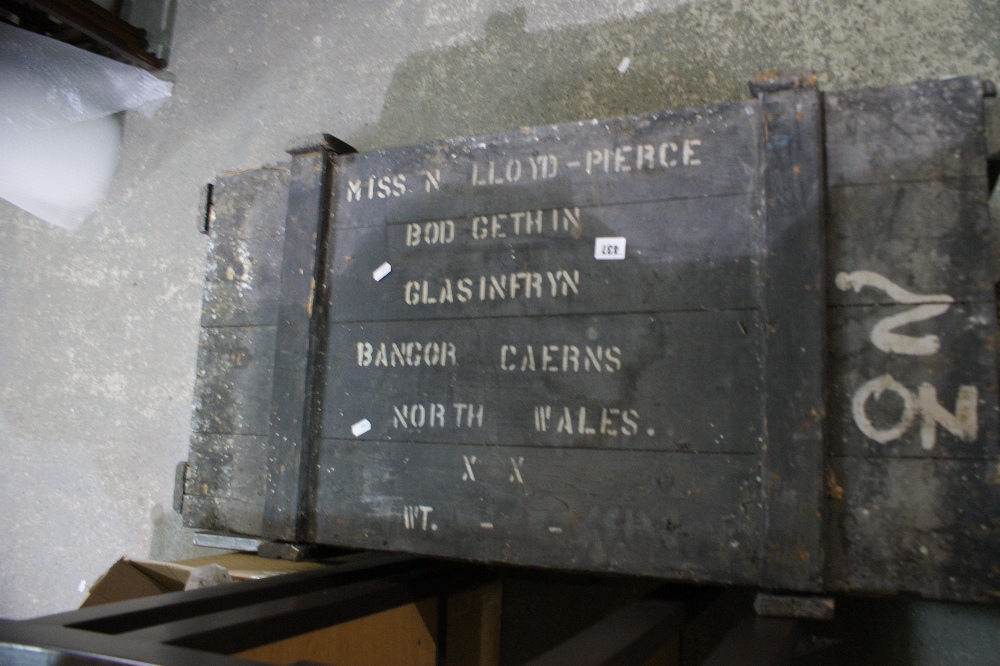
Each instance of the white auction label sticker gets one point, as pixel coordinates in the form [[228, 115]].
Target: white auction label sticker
[[609, 248], [361, 427]]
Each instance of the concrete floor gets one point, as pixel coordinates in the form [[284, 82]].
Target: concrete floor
[[99, 327]]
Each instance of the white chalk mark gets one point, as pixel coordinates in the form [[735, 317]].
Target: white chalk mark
[[574, 164], [486, 526], [623, 65], [885, 339], [469, 462], [875, 388], [555, 530], [361, 427], [857, 280], [883, 334], [963, 423], [382, 271], [609, 248]]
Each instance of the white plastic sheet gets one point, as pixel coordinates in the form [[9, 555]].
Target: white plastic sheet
[[59, 136]]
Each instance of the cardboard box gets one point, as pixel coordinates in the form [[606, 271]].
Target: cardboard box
[[403, 635], [132, 578]]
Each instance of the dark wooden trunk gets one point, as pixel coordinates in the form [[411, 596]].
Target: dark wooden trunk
[[750, 343]]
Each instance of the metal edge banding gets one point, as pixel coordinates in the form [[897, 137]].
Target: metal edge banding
[[794, 347], [245, 544], [300, 336]]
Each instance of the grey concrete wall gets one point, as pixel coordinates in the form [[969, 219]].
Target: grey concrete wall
[[98, 327]]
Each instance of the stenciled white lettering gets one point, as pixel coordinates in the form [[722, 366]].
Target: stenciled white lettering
[[438, 232], [508, 286], [604, 421], [415, 517], [405, 354], [643, 156], [436, 415], [560, 358]]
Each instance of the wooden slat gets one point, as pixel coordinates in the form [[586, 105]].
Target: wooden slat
[[913, 394], [678, 515], [300, 337], [523, 377], [794, 344]]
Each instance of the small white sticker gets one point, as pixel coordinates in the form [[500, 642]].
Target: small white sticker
[[609, 248], [381, 271], [361, 427], [623, 65]]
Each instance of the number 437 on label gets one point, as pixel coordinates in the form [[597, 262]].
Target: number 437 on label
[[609, 248]]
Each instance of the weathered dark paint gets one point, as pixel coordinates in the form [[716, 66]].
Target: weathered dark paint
[[225, 478], [676, 515], [299, 340], [893, 228], [744, 324], [929, 130], [920, 525], [686, 254], [907, 187], [733, 155], [223, 514], [855, 360], [246, 239], [717, 352], [794, 341], [682, 306], [232, 391], [227, 466]]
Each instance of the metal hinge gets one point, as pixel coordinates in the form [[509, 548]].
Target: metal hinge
[[180, 477], [207, 214]]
